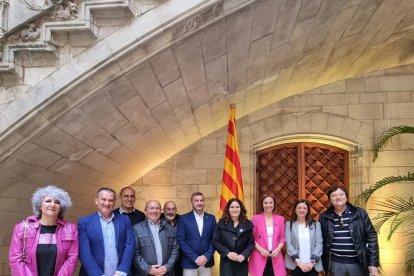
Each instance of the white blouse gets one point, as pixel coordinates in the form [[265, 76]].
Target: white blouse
[[304, 243], [269, 237]]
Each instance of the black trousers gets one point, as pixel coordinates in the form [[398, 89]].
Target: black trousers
[[268, 270], [299, 272]]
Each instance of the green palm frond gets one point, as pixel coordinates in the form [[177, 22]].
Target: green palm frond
[[398, 211], [363, 198], [384, 138], [409, 261], [410, 237]]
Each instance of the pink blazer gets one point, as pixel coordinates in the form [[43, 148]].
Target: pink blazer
[[67, 248], [257, 262]]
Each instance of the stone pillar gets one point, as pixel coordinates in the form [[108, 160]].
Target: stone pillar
[[4, 16], [356, 180]]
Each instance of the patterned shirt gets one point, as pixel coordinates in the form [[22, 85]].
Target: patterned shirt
[[343, 250]]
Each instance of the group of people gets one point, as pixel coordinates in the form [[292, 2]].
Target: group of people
[[126, 241]]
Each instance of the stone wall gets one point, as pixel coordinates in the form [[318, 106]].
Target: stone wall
[[356, 110]]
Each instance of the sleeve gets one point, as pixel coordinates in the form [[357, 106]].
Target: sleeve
[[317, 251], [17, 266], [126, 261], [249, 245], [181, 239], [69, 266], [221, 249], [371, 240], [281, 239], [290, 249], [85, 255], [210, 251]]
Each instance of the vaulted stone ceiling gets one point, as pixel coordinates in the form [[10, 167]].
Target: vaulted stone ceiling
[[111, 126]]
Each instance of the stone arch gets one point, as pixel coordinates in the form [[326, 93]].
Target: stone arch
[[324, 128]]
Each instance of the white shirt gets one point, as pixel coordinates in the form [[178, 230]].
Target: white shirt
[[304, 243], [121, 211], [269, 230], [200, 221]]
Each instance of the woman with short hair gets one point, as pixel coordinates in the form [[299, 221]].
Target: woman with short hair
[[44, 244]]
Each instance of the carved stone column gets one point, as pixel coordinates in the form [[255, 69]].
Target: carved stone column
[[4, 16], [39, 5]]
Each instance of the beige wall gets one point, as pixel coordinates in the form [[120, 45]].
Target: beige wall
[[356, 110]]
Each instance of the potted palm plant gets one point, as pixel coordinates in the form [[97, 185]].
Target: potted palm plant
[[398, 211]]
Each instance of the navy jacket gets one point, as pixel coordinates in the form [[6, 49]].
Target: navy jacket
[[91, 244], [191, 243]]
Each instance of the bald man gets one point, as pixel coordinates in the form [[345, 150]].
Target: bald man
[[156, 244], [170, 216], [170, 213]]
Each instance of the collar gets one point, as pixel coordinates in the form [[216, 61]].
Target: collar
[[350, 209], [122, 211], [345, 212], [36, 222], [150, 223], [170, 222], [112, 217], [197, 215]]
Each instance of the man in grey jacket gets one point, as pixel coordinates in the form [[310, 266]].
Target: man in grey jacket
[[156, 244]]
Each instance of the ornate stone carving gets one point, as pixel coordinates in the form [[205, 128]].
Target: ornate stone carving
[[4, 16], [66, 10], [198, 20], [39, 5], [32, 33]]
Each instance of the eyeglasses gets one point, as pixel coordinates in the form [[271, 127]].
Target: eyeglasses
[[341, 222], [154, 208]]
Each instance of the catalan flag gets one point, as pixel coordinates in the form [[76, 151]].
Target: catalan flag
[[232, 184]]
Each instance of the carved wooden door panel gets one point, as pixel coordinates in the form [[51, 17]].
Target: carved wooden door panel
[[300, 170]]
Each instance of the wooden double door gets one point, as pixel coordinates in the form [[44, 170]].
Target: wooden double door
[[300, 171]]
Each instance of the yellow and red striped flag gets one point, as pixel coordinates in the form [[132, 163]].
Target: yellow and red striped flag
[[232, 184]]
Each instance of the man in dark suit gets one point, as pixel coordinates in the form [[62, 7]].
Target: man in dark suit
[[106, 241], [195, 235]]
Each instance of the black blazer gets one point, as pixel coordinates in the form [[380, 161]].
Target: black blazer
[[228, 239]]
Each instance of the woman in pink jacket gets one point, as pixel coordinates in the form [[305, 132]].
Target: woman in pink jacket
[[45, 244], [269, 235]]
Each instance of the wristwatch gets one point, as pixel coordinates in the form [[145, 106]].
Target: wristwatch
[[313, 261]]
